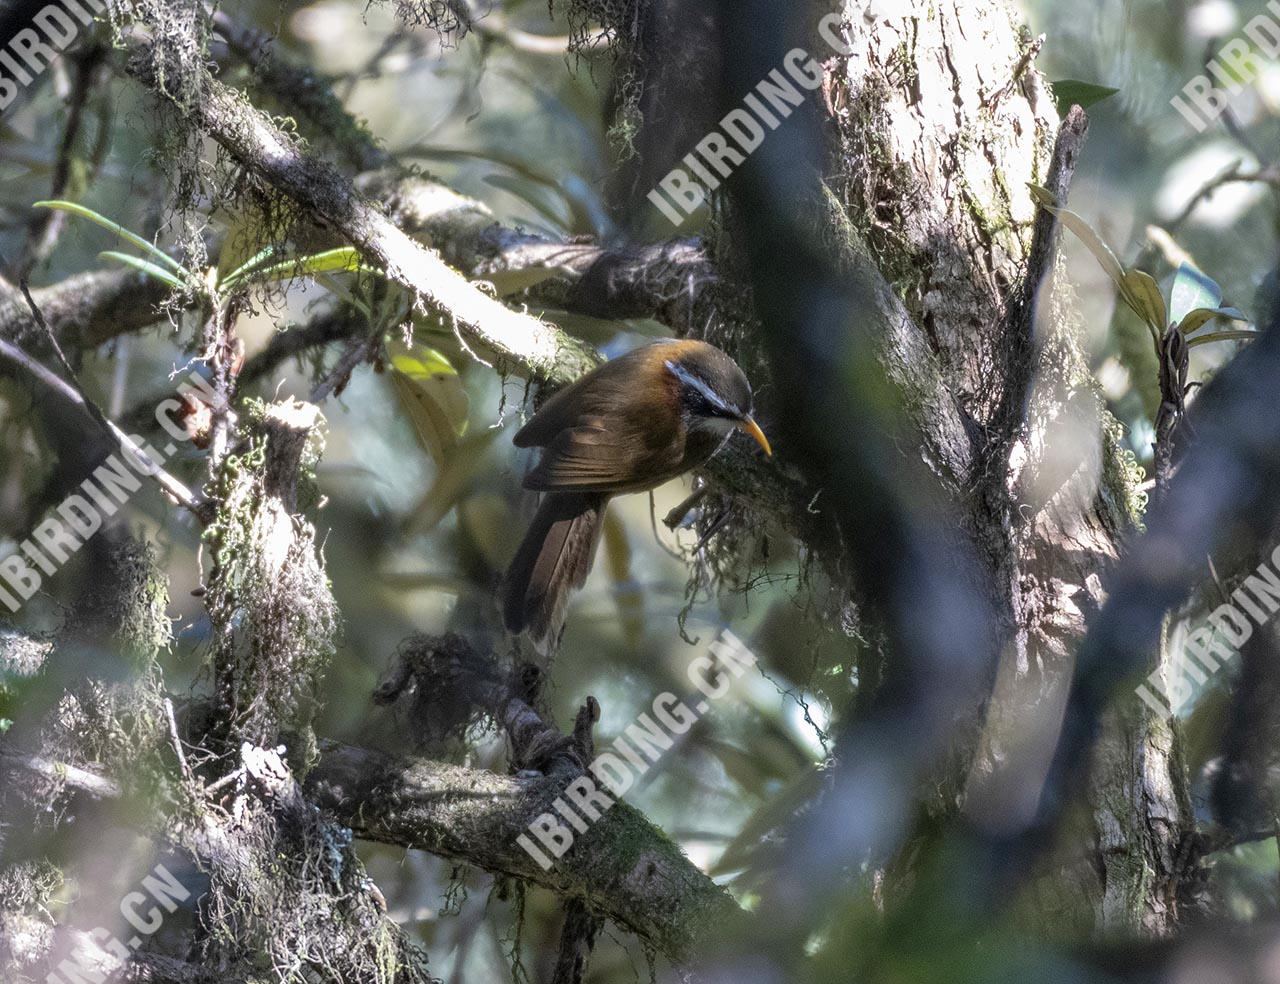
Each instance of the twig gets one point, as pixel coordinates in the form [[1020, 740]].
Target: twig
[[46, 227], [577, 940], [631, 872], [336, 325], [1020, 341], [357, 352], [1159, 241], [681, 510], [80, 780], [1231, 174], [172, 486], [474, 817], [227, 780], [653, 525], [715, 527], [253, 139], [176, 738], [307, 94]]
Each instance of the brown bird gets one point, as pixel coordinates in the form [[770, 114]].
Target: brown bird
[[627, 426]]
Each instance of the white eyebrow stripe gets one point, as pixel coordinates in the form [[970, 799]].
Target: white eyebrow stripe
[[689, 379]]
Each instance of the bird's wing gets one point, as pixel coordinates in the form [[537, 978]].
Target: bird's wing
[[596, 394], [603, 455]]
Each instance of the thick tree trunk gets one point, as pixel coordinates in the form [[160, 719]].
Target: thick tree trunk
[[943, 120]]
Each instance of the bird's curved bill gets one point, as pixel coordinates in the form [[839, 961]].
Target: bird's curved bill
[[749, 426]]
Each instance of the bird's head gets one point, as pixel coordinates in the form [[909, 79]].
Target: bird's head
[[713, 392]]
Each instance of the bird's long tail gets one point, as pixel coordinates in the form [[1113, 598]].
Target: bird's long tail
[[553, 560]]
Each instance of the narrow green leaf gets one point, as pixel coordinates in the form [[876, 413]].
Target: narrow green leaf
[[236, 275], [532, 194], [1083, 231], [1223, 336], [338, 260], [1073, 92], [431, 392], [338, 289], [1042, 195], [1138, 290], [148, 268], [118, 229]]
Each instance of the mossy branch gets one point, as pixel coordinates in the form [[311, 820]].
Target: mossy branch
[[520, 342], [85, 310], [624, 867]]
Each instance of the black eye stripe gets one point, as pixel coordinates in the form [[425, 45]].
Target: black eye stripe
[[699, 396]]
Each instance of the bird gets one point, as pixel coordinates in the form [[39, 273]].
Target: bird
[[629, 425]]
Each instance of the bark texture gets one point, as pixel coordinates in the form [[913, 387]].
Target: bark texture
[[943, 120]]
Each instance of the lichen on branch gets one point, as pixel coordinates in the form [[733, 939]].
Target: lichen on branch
[[273, 614]]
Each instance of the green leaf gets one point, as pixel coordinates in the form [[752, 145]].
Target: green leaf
[[344, 258], [148, 268], [1223, 336], [1073, 92], [239, 272], [1192, 288], [1042, 195], [532, 194], [1197, 318], [431, 392], [1142, 293], [5, 725], [118, 229], [1137, 289], [338, 289], [1083, 231]]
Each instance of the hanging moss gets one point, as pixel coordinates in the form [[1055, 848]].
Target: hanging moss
[[26, 925], [274, 618], [294, 889]]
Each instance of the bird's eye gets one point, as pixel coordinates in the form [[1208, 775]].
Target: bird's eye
[[704, 407]]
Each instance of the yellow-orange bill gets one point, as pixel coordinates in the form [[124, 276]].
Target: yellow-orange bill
[[752, 428]]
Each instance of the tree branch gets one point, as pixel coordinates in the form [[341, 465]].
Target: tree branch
[[85, 310], [624, 867], [1020, 342], [520, 342], [172, 486]]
